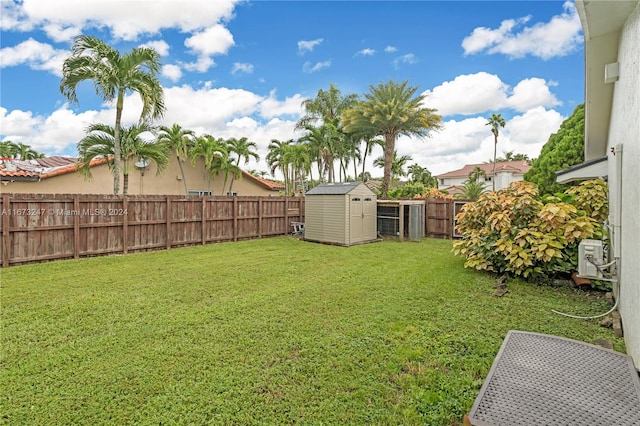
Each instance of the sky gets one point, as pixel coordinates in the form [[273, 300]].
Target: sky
[[234, 68]]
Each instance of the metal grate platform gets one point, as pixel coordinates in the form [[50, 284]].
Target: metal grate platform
[[538, 379]]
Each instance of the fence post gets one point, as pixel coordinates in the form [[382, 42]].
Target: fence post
[[204, 209], [260, 207], [168, 236], [6, 236], [125, 225], [235, 218], [76, 227]]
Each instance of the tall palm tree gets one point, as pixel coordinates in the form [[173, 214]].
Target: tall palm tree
[[100, 142], [496, 121], [180, 141], [244, 150], [297, 155], [328, 106], [370, 142], [114, 75], [278, 158], [211, 150], [391, 109], [325, 111], [316, 141]]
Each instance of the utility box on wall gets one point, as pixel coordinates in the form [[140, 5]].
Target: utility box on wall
[[340, 213]]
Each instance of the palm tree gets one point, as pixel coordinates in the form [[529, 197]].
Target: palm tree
[[277, 158], [211, 150], [327, 107], [100, 143], [180, 141], [244, 149], [8, 149], [422, 175], [325, 112], [476, 174], [370, 142], [389, 110], [496, 121], [316, 139], [297, 155], [397, 164], [25, 152], [471, 190], [114, 75]]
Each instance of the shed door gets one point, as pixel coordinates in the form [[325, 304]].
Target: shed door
[[356, 227]]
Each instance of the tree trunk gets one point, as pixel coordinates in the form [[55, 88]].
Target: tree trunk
[[125, 184], [389, 148], [116, 143], [184, 178], [495, 148]]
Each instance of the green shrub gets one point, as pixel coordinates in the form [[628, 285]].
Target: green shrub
[[515, 231], [408, 190]]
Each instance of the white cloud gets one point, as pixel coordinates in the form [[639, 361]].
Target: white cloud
[[476, 93], [242, 67], [390, 49], [532, 92], [366, 52], [160, 46], [469, 141], [172, 72], [215, 40], [558, 37], [272, 107], [409, 58], [468, 94], [38, 56], [309, 68], [305, 46], [64, 18]]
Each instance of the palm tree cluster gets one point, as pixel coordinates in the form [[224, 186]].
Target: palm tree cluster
[[18, 150], [142, 142], [340, 131]]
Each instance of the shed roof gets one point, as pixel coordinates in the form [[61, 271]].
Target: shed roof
[[339, 188]]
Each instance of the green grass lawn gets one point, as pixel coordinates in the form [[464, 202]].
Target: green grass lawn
[[272, 331]]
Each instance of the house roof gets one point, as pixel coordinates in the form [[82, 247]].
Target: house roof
[[44, 168], [269, 184], [515, 167], [339, 188]]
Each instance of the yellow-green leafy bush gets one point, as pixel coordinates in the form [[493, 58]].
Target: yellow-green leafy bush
[[516, 231]]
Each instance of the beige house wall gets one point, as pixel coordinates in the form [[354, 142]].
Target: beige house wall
[[169, 182]]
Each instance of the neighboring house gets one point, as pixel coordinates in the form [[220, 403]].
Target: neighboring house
[[506, 172], [58, 175], [612, 140]]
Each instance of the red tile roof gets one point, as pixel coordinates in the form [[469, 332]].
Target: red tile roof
[[272, 185], [516, 167], [63, 165]]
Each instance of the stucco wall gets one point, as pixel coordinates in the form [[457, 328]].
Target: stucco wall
[[169, 182], [625, 130]]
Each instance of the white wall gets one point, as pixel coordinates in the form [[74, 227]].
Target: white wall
[[625, 129]]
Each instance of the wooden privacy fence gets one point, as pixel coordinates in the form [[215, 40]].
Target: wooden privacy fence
[[41, 227], [440, 216]]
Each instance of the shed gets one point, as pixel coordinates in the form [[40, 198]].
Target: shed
[[340, 213]]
